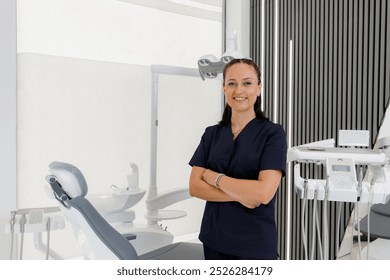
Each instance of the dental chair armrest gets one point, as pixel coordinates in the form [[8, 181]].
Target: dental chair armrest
[[130, 236]]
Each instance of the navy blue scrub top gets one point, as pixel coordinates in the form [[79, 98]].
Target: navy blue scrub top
[[229, 227]]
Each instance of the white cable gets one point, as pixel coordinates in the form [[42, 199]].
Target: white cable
[[325, 223], [358, 229], [22, 222], [48, 237], [314, 227], [21, 246], [360, 186], [353, 223], [12, 245], [318, 229], [303, 220], [368, 230], [303, 229], [338, 215], [368, 217], [12, 224]]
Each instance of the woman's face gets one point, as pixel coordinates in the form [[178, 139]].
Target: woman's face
[[241, 87]]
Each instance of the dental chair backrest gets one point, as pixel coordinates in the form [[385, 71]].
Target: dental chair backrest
[[69, 188]]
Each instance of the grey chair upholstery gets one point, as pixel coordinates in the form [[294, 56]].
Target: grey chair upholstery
[[70, 188], [379, 221]]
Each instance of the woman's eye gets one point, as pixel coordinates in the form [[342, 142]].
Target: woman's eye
[[231, 84], [248, 83]]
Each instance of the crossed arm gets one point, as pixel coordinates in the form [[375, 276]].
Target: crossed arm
[[250, 193]]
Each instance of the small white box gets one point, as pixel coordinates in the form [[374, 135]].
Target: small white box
[[354, 138]]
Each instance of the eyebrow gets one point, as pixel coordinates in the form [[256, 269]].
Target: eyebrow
[[242, 79]]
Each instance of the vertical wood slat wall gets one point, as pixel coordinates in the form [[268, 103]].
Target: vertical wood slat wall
[[340, 80]]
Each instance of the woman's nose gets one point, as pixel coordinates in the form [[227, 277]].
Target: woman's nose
[[240, 88]]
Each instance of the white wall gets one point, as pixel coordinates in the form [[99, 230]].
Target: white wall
[[7, 119], [115, 31], [84, 97]]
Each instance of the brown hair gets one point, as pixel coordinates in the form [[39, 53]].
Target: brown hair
[[250, 62]]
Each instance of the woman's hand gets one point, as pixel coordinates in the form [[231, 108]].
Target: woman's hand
[[209, 176], [201, 189]]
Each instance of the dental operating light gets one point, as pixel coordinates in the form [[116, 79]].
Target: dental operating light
[[210, 66]]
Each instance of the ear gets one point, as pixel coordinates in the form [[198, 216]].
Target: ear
[[259, 92]]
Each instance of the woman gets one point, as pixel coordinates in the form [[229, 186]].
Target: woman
[[237, 169]]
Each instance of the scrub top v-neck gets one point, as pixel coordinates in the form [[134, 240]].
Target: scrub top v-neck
[[229, 227]]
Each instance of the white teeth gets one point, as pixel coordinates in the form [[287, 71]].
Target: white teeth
[[239, 98]]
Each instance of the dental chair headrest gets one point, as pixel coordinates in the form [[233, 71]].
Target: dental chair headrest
[[70, 178]]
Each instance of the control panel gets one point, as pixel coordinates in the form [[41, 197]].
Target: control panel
[[341, 173]]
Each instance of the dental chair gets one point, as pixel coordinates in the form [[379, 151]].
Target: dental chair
[[69, 187]]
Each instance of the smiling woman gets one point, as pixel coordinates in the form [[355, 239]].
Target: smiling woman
[[239, 177]]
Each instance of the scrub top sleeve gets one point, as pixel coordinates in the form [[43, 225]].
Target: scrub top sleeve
[[199, 158], [275, 151]]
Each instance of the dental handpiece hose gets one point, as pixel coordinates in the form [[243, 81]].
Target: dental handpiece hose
[[360, 183], [360, 187], [325, 220], [48, 224], [368, 217], [22, 223], [12, 224], [303, 218], [318, 227], [313, 241], [338, 215]]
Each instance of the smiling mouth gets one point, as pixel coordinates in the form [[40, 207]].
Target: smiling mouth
[[239, 98]]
